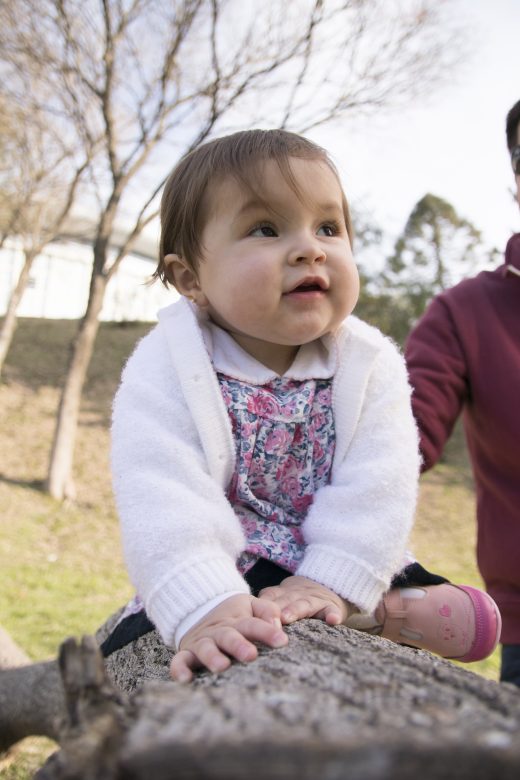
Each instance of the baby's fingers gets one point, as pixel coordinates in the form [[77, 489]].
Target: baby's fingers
[[182, 664], [312, 607], [300, 608], [267, 610], [203, 652], [282, 598], [331, 615], [259, 630], [272, 593], [215, 652]]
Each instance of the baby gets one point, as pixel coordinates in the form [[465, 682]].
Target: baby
[[264, 456]]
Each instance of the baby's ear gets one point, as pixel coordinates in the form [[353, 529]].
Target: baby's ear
[[184, 279]]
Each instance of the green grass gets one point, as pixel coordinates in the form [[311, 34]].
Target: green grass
[[62, 572], [25, 759], [61, 565]]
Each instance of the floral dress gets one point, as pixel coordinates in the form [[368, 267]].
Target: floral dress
[[283, 430], [284, 440]]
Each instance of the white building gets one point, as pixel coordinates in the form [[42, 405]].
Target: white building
[[59, 281]]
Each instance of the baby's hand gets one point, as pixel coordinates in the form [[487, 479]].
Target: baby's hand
[[299, 597], [228, 632]]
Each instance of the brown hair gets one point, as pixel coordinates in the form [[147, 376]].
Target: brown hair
[[183, 206], [513, 118]]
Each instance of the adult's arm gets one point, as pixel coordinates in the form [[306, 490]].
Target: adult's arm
[[438, 375]]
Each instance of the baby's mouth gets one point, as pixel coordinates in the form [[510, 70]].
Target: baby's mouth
[[309, 286]]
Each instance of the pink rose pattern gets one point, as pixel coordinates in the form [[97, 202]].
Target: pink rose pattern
[[284, 439]]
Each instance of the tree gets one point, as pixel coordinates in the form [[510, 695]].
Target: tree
[[334, 703], [155, 78], [41, 169], [40, 180], [375, 305], [436, 247]]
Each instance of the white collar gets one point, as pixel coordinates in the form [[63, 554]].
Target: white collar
[[316, 360]]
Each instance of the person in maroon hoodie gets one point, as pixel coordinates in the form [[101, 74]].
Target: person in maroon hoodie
[[463, 355]]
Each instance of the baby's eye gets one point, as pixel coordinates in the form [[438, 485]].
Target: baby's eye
[[267, 231], [329, 229]]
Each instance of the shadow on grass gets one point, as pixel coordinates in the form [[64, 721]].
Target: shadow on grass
[[37, 485]]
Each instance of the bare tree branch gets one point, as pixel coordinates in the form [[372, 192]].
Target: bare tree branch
[[314, 20]]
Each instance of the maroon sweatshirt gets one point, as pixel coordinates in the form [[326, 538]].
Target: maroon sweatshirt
[[464, 354]]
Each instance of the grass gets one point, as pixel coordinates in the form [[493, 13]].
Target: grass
[[61, 565]]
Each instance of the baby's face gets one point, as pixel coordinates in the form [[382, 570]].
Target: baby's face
[[278, 272]]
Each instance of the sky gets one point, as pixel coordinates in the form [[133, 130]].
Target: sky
[[452, 146]]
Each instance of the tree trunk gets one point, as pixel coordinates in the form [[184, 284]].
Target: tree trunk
[[9, 324], [334, 704], [59, 480]]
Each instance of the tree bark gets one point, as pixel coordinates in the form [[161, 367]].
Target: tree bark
[[9, 323], [334, 704], [31, 703]]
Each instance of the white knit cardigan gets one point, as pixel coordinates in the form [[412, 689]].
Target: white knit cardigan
[[173, 456]]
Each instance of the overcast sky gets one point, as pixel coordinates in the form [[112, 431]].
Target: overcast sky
[[454, 146]]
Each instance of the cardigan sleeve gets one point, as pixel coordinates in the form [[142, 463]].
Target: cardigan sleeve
[[180, 535], [358, 525], [438, 375]]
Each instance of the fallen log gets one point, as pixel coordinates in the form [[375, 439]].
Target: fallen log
[[335, 704]]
